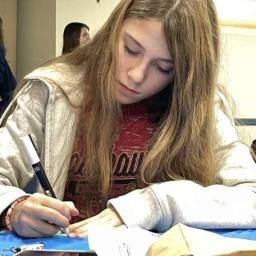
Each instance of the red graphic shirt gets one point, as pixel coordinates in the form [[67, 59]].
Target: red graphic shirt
[[128, 152]]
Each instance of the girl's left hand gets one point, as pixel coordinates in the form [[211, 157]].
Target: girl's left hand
[[108, 217]]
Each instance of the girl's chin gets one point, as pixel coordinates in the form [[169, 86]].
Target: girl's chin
[[126, 101]]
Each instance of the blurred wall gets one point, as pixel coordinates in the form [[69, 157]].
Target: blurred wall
[[238, 72], [35, 34], [238, 54], [239, 13], [41, 25]]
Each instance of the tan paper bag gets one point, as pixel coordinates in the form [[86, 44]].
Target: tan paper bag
[[184, 240]]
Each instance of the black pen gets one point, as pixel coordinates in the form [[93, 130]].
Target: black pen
[[34, 160]]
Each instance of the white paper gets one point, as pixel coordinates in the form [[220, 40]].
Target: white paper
[[120, 241]]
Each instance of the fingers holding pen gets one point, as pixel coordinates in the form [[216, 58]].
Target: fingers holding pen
[[40, 214], [30, 227], [26, 220], [48, 209], [52, 208], [72, 209]]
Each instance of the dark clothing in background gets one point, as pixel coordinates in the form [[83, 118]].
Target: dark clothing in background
[[7, 81], [254, 146]]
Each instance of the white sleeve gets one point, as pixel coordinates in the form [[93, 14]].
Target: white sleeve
[[27, 118], [230, 203], [163, 205]]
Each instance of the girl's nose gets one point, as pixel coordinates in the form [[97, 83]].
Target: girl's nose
[[138, 73]]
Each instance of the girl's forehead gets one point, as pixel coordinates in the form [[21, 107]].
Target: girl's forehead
[[148, 33]]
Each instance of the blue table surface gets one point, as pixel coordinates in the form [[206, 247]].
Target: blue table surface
[[238, 233], [8, 240]]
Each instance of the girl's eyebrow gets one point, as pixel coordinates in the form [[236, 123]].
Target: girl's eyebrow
[[134, 40], [139, 45]]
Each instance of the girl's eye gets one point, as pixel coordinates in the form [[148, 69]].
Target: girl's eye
[[165, 71], [130, 51]]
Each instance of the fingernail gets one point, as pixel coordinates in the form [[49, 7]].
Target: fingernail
[[72, 234], [82, 236], [75, 214]]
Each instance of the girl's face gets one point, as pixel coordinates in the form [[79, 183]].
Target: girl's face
[[84, 36], [144, 64]]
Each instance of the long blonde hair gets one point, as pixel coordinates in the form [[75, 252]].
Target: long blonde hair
[[184, 142]]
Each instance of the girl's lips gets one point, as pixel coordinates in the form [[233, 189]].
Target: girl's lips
[[127, 88]]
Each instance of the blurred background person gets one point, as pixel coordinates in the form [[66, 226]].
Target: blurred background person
[[75, 34], [254, 147], [7, 79]]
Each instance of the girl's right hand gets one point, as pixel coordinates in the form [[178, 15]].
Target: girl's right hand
[[40, 215]]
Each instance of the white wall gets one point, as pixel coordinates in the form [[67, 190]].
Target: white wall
[[238, 72], [237, 12], [87, 11], [239, 68]]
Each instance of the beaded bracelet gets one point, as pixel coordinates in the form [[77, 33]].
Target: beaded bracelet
[[9, 212]]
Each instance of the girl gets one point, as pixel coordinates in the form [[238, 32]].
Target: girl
[[138, 105], [75, 34]]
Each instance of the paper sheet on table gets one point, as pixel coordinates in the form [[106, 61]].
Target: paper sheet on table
[[120, 241], [182, 240]]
